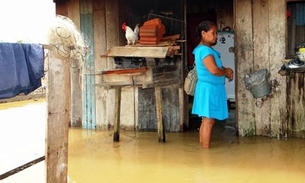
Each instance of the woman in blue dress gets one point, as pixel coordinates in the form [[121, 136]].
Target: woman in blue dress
[[210, 99]]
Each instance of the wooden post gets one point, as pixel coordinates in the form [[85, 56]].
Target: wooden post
[[244, 63], [160, 122], [182, 108], [277, 49], [117, 113], [58, 94], [261, 60]]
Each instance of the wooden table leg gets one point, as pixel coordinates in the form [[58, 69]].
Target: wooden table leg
[[160, 122], [117, 105]]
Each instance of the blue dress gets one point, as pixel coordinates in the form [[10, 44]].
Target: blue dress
[[210, 98]]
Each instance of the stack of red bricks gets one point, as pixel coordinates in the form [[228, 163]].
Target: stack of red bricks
[[151, 32]]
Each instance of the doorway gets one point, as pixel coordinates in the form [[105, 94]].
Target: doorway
[[220, 12]]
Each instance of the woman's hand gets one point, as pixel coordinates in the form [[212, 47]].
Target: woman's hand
[[229, 73]]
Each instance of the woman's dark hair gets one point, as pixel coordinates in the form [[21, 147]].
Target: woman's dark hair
[[203, 26]]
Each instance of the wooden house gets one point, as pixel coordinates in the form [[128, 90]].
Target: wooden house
[[264, 37]]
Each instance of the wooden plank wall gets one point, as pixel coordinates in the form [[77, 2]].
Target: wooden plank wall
[[109, 28], [260, 44], [99, 20], [76, 114], [88, 69], [106, 31], [106, 21], [171, 109]]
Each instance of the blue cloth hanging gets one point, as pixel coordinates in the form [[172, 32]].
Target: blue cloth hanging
[[21, 68]]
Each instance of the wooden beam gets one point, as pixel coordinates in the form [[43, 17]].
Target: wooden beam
[[117, 113], [182, 111], [132, 51], [58, 94], [160, 122]]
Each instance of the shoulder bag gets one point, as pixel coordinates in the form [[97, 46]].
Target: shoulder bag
[[190, 82]]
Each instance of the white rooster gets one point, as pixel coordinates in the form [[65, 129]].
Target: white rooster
[[131, 36]]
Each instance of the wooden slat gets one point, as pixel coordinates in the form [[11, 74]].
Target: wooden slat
[[126, 71], [112, 39], [171, 37], [75, 73], [88, 81], [182, 112], [160, 122], [261, 61], [277, 27], [100, 46], [130, 51], [244, 64]]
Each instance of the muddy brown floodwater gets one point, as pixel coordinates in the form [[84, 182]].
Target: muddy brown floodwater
[[140, 158]]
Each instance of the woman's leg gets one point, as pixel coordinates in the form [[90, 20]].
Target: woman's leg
[[201, 131], [206, 131]]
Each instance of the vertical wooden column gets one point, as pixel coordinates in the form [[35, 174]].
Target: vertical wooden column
[[261, 60], [160, 122], [182, 108], [117, 113], [277, 32], [58, 94], [244, 64]]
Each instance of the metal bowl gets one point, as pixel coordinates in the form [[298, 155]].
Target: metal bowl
[[301, 55]]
